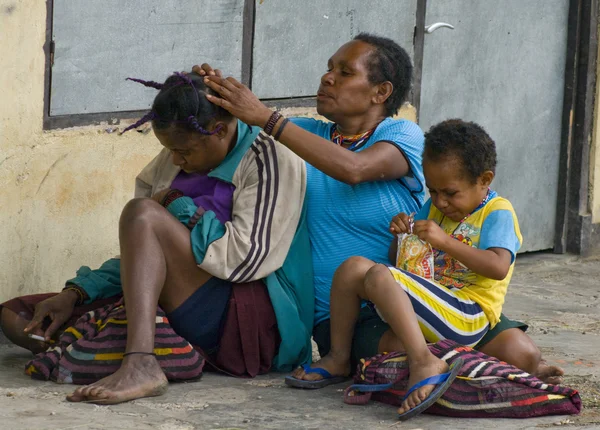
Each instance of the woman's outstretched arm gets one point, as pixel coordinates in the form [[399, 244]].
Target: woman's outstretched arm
[[381, 161]]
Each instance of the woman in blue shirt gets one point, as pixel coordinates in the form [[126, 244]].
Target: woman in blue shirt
[[363, 165]]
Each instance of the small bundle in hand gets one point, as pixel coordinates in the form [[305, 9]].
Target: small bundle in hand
[[414, 256]]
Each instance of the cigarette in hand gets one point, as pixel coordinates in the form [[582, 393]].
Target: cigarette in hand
[[40, 338]]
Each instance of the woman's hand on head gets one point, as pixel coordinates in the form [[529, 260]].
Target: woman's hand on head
[[400, 224], [238, 100], [206, 70]]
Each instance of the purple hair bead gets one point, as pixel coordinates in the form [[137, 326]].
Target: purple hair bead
[[185, 77], [194, 123]]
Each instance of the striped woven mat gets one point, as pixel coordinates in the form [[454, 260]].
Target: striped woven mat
[[485, 387], [93, 348]]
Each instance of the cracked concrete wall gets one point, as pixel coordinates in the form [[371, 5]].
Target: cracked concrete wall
[[61, 191]]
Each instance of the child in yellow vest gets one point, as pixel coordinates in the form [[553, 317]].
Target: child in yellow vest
[[475, 237]]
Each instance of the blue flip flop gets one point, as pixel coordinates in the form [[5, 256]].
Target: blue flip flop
[[328, 379], [442, 383]]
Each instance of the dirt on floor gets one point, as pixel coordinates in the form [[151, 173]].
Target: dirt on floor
[[558, 296]]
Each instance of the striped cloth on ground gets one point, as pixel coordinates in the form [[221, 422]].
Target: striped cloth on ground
[[93, 348], [485, 388]]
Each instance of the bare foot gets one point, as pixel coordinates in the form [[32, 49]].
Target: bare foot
[[335, 366], [549, 374], [418, 371], [139, 376]]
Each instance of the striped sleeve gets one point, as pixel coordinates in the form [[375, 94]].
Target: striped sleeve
[[267, 205]]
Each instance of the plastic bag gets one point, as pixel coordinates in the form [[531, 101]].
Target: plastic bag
[[415, 256]]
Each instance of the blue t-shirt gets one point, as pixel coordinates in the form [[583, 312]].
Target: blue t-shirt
[[348, 220]]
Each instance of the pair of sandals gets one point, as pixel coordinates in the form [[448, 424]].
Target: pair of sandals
[[442, 382]]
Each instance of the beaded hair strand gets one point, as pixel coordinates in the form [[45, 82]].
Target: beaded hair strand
[[150, 84], [148, 117], [194, 123], [191, 120], [184, 77]]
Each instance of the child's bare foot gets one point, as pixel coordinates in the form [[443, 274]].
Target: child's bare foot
[[335, 366], [419, 371], [549, 374]]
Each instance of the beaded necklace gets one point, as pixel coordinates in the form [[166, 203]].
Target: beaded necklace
[[355, 141], [482, 204]]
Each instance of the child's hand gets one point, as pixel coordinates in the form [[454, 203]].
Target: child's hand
[[400, 224], [430, 232]]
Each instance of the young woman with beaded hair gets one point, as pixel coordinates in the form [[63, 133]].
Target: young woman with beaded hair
[[221, 204]]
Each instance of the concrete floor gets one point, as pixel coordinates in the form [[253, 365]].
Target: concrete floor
[[559, 296]]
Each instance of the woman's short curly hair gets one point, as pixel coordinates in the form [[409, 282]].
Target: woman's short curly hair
[[465, 141], [389, 62]]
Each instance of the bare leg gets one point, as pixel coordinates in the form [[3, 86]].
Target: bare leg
[[12, 327], [389, 342], [359, 279], [515, 347], [348, 282], [157, 264], [396, 308]]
